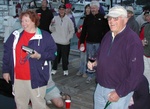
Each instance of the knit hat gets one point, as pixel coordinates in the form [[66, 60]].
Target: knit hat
[[117, 11]]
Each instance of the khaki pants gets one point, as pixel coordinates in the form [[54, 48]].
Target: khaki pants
[[23, 93]]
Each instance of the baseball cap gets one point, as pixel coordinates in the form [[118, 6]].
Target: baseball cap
[[117, 11], [62, 6], [68, 5], [130, 9]]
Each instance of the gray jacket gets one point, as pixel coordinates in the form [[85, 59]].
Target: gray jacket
[[147, 36], [133, 24]]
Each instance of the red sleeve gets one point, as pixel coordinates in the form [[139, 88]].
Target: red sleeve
[[142, 34], [77, 33]]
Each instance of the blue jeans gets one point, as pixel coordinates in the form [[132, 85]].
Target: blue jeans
[[83, 62], [89, 48], [101, 97]]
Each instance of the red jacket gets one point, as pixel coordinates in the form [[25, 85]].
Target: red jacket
[[78, 34]]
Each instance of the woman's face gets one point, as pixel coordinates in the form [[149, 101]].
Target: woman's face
[[88, 10], [68, 10], [27, 23], [147, 18]]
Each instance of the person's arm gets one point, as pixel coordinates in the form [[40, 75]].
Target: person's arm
[[74, 23], [70, 29], [52, 25], [142, 34], [84, 31], [78, 33], [135, 66], [49, 46], [6, 68]]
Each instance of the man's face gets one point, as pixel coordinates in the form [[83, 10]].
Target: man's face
[[62, 12], [44, 4], [147, 17], [94, 10], [129, 14], [116, 24]]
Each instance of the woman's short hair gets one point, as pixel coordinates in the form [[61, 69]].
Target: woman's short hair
[[32, 15], [88, 5]]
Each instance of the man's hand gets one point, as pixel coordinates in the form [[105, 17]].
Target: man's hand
[[6, 76], [113, 96], [91, 65]]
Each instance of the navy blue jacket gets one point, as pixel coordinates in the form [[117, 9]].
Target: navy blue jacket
[[43, 43]]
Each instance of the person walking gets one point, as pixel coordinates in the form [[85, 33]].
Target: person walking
[[27, 53], [119, 63], [62, 29], [93, 29], [45, 15]]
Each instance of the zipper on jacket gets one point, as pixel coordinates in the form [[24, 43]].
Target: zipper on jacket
[[110, 46]]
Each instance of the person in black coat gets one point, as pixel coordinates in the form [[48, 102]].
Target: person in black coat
[[141, 96], [45, 17]]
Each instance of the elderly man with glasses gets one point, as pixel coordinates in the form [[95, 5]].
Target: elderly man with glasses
[[119, 64]]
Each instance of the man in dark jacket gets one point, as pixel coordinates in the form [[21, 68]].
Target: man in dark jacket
[[132, 23], [93, 30], [119, 63], [45, 17], [141, 96]]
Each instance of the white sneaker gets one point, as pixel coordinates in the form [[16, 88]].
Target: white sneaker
[[53, 72], [66, 72]]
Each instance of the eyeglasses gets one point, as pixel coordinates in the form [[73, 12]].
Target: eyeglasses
[[114, 18]]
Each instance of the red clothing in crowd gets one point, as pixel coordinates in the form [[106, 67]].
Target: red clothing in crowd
[[78, 34], [22, 70], [142, 34]]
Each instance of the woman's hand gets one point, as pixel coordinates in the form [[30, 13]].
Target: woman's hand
[[79, 30], [35, 55]]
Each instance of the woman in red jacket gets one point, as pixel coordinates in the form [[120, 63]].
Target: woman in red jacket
[[83, 57]]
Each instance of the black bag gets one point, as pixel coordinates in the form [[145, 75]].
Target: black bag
[[5, 88], [6, 98]]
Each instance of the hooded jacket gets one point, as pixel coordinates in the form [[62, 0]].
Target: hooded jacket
[[43, 43]]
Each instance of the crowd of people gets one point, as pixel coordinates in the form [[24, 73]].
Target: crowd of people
[[114, 52]]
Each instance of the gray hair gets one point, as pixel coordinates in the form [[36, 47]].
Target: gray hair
[[95, 3]]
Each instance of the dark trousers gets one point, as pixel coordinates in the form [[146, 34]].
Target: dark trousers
[[62, 52]]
